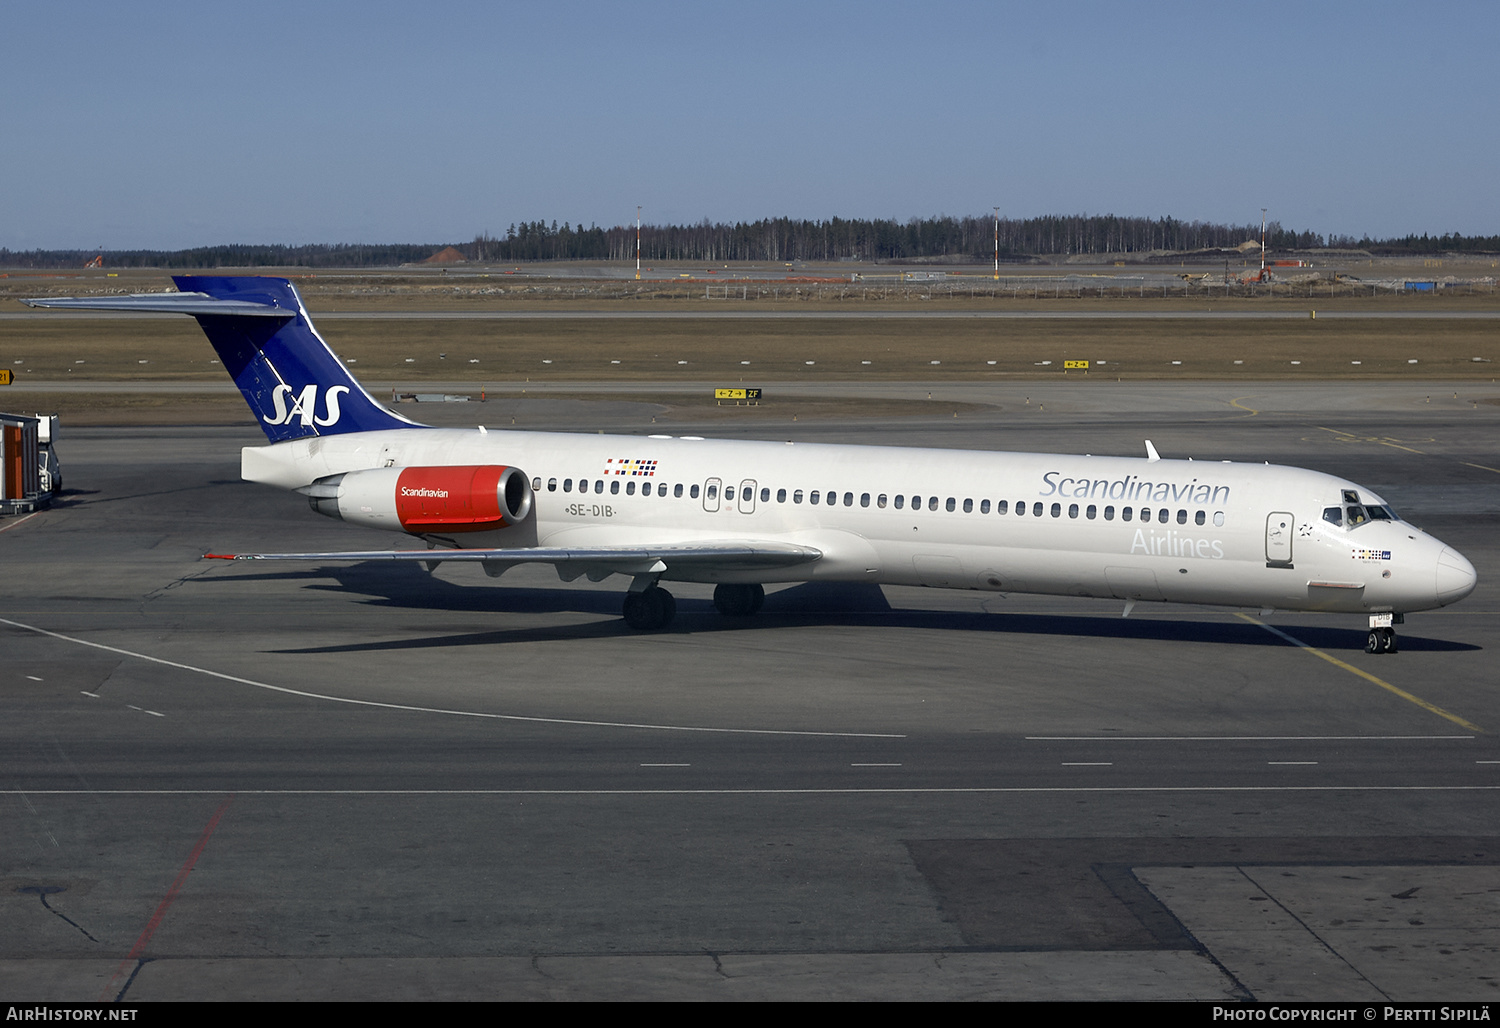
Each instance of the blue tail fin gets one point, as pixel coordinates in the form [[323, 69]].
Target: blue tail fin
[[293, 382]]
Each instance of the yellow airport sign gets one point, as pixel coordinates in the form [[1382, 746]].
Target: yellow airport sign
[[736, 394], [1067, 365], [4, 376]]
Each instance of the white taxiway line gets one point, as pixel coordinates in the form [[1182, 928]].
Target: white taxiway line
[[439, 710], [1244, 738], [872, 790]]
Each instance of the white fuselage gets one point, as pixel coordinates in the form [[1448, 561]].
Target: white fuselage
[[1251, 535]]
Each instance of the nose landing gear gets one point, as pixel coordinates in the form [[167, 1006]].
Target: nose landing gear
[[1382, 640], [1382, 637]]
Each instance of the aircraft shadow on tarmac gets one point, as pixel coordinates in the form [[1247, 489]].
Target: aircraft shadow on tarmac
[[806, 605], [65, 498]]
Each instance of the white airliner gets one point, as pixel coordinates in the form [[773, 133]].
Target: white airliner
[[743, 514]]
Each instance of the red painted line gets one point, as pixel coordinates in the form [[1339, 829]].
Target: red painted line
[[166, 901], [17, 524]]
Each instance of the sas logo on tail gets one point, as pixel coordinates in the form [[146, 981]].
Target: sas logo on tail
[[305, 405]]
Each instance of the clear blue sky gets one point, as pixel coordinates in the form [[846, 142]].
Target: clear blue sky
[[170, 125]]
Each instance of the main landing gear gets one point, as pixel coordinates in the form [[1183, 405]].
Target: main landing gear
[[1382, 637], [739, 599], [650, 609]]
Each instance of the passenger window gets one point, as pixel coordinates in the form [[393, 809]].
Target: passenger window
[[797, 496], [536, 485], [728, 492], [661, 489], [1218, 519], [567, 485], [677, 491], [713, 493], [1036, 509], [629, 488], [1198, 518], [900, 501], [765, 494], [781, 496], [1020, 510], [1072, 510], [552, 485], [864, 499], [614, 487], [848, 499], [1126, 513], [880, 501], [812, 497], [598, 485], [692, 491], [950, 505], [984, 506], [916, 503], [1057, 510], [1182, 517], [1002, 506], [1109, 513], [1162, 515], [1145, 513], [831, 497], [932, 502], [968, 506], [1091, 512]]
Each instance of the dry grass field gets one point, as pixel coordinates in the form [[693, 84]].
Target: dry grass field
[[789, 348], [800, 344]]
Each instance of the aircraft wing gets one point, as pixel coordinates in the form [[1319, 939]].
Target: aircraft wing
[[598, 562]]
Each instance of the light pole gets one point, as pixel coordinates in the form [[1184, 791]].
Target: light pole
[[1262, 244], [997, 244], [637, 242]]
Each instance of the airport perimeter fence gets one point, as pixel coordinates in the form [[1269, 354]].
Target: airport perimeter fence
[[1059, 287], [927, 286]]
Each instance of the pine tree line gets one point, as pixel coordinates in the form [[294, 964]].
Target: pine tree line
[[780, 240]]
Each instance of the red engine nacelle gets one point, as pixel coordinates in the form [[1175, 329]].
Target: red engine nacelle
[[462, 498]]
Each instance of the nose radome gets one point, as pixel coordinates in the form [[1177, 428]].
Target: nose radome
[[1455, 576]]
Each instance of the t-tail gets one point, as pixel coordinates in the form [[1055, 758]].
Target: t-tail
[[265, 338]]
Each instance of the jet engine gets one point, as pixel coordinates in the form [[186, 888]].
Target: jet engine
[[463, 498]]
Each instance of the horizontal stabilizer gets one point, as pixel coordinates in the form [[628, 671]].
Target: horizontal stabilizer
[[166, 303], [265, 339]]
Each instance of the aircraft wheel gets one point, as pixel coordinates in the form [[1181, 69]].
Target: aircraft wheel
[[650, 609], [1388, 640], [737, 599], [1372, 644]]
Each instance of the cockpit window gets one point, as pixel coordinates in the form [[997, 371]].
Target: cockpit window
[[1334, 516], [1378, 513], [1356, 516]]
